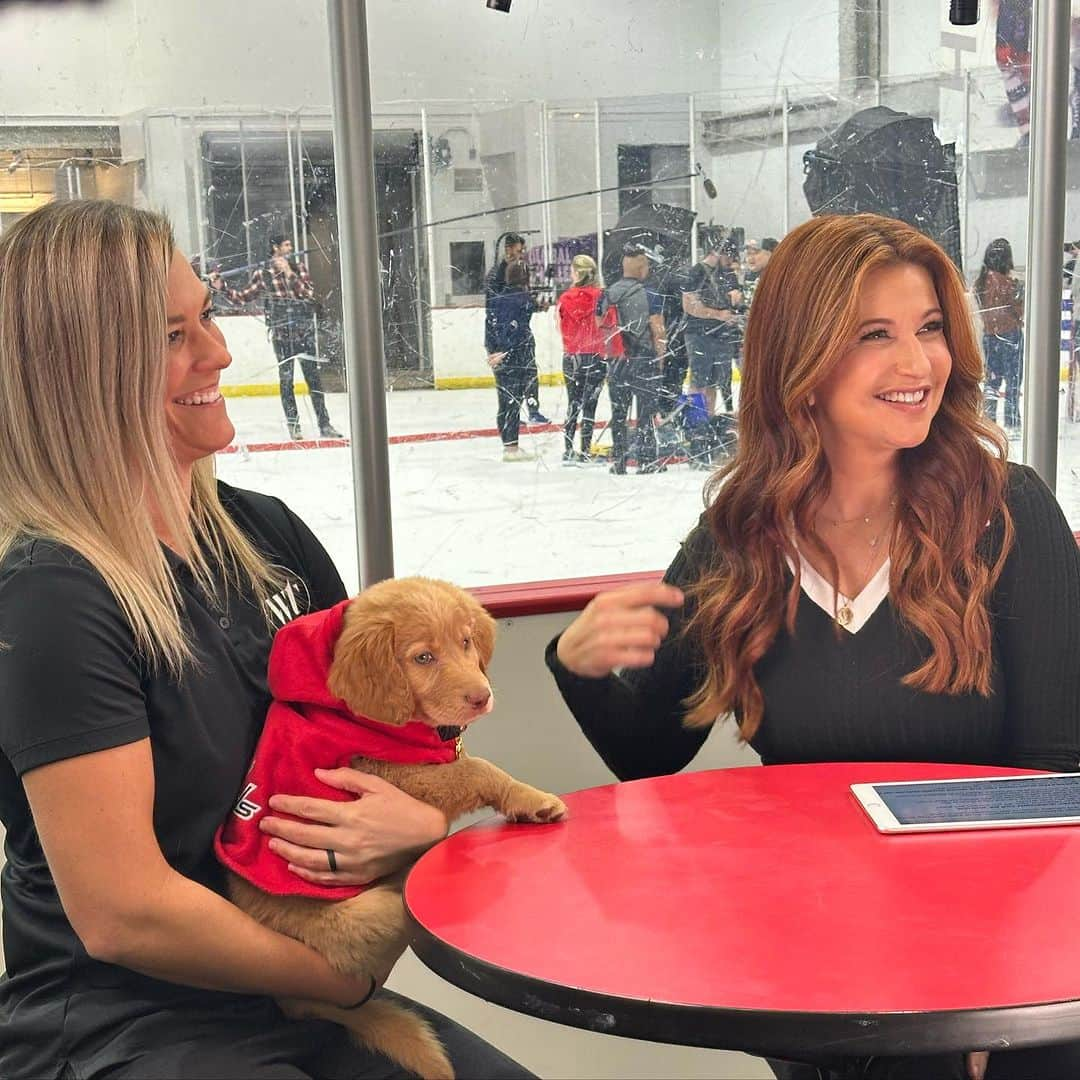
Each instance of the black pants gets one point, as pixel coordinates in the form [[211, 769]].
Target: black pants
[[294, 339], [628, 379], [511, 381], [676, 363], [1042, 1063], [711, 357], [1004, 362], [584, 374], [210, 1048], [532, 389]]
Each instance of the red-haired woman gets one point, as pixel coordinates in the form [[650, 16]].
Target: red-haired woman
[[871, 579]]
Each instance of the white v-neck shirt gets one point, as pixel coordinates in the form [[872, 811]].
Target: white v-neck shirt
[[821, 592]]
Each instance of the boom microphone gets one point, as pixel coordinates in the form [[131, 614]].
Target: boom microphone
[[706, 183]]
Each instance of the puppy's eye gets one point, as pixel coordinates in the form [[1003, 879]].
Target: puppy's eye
[[467, 642], [424, 658]]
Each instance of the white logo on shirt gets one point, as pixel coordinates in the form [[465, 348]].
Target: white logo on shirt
[[245, 808], [289, 602]]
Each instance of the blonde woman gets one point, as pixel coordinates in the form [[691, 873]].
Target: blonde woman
[[584, 368], [138, 598]]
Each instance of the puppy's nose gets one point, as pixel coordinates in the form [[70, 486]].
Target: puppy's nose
[[478, 701]]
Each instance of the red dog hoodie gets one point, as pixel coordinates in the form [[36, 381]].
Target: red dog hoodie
[[308, 728]]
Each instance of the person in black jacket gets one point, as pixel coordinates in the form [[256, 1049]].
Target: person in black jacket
[[495, 285], [511, 351], [869, 508], [138, 602]]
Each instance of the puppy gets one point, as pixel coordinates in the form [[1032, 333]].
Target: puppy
[[386, 682]]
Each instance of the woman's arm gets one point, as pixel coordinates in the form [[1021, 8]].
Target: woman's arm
[[376, 834], [1037, 623], [94, 815], [633, 715]]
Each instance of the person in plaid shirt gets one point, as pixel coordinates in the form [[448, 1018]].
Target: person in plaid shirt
[[288, 296]]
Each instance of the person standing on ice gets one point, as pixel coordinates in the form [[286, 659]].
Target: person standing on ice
[[511, 350], [289, 302], [584, 369], [495, 285]]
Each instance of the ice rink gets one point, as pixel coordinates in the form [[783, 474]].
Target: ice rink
[[461, 513]]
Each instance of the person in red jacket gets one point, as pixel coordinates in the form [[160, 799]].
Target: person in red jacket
[[583, 360]]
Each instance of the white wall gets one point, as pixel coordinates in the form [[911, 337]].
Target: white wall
[[118, 56], [254, 359], [121, 55], [911, 31], [777, 42], [458, 345]]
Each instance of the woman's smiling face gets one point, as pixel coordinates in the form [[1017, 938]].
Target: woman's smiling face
[[888, 385], [196, 355]]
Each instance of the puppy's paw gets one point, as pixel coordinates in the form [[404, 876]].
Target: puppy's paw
[[526, 803]]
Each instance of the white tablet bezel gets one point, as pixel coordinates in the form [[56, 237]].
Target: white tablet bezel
[[886, 822]]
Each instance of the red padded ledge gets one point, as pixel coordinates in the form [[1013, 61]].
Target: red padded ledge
[[546, 597], [564, 594]]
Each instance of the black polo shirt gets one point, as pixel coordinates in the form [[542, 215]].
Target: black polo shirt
[[71, 682]]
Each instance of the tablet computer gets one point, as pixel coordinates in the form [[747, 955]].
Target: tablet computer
[[983, 802]]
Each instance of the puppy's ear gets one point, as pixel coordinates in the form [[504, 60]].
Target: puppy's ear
[[366, 674], [483, 636]]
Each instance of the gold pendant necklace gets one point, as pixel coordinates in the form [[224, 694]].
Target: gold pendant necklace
[[845, 614]]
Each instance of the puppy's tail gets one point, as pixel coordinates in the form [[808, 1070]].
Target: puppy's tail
[[388, 1028]]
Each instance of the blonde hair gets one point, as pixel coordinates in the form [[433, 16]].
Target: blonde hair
[[583, 270], [82, 389]]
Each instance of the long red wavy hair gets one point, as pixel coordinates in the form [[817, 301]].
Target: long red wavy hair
[[803, 319]]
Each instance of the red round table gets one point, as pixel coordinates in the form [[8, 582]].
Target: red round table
[[758, 909]]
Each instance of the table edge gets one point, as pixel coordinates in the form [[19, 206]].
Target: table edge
[[765, 1033]]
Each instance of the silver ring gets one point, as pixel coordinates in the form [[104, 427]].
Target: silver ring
[[331, 858]]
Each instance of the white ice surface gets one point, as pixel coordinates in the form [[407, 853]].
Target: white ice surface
[[461, 513]]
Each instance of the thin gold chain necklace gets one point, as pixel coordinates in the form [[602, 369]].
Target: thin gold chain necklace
[[844, 613]]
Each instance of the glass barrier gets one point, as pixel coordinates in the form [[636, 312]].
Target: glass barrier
[[492, 128]]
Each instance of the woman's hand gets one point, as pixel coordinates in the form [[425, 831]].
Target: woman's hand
[[495, 359], [621, 628], [376, 834], [976, 1064]]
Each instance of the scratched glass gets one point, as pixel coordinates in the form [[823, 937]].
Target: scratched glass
[[579, 130]]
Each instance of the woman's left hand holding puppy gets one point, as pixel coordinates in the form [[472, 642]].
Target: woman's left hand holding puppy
[[376, 834]]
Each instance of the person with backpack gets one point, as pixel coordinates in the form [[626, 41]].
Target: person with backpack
[[639, 372], [583, 361]]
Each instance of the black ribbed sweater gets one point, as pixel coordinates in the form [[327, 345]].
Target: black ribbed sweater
[[838, 697]]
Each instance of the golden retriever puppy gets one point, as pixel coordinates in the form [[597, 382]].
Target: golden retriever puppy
[[385, 682]]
